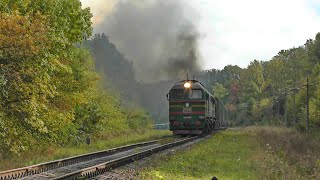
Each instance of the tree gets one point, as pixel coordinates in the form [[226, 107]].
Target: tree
[[68, 22], [43, 76], [25, 85], [219, 91], [252, 81], [275, 72]]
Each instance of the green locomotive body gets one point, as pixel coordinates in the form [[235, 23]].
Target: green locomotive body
[[193, 110]]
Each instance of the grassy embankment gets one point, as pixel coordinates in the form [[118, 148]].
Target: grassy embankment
[[101, 143], [249, 153]]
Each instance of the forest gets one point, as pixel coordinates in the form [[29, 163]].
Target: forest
[[273, 92]]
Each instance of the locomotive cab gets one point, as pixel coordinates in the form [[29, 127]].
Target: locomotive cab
[[191, 108]]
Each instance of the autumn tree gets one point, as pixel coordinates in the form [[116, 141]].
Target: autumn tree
[[49, 90], [44, 76], [25, 86]]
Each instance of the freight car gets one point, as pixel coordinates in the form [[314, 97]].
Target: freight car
[[193, 110]]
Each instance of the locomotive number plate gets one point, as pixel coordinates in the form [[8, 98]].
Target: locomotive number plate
[[187, 110]]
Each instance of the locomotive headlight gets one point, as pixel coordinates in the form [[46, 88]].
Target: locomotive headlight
[[187, 85]]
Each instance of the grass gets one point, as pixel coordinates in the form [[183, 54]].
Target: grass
[[227, 155], [247, 153], [101, 143]]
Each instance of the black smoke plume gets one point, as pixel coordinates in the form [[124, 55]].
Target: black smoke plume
[[158, 36]]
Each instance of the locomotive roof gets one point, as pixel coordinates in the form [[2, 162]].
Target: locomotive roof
[[194, 84]]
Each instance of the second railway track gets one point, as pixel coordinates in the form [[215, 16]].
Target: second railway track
[[44, 167], [92, 164]]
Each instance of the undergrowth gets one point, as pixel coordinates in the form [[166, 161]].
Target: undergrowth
[[294, 155], [244, 153]]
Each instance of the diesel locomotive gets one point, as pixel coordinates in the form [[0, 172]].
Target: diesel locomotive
[[193, 110]]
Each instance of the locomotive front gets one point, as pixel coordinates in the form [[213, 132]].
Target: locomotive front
[[188, 108]]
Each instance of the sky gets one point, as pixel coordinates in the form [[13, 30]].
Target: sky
[[237, 32]]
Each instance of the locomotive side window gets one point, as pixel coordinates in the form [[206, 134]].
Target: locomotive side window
[[195, 94]]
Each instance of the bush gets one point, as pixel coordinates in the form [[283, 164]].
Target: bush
[[138, 120]]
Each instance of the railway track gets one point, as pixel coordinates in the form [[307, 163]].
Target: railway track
[[43, 167], [92, 164]]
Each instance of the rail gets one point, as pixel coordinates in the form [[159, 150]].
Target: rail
[[95, 170], [39, 168]]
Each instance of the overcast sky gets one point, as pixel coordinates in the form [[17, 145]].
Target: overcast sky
[[237, 32]]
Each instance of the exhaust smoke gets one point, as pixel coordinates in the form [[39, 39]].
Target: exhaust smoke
[[158, 36]]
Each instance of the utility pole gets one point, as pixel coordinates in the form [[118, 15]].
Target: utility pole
[[307, 119]]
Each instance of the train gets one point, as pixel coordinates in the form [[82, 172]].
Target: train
[[193, 110]]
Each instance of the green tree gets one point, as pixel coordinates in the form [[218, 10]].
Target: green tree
[[43, 75], [219, 91], [25, 85], [252, 81], [275, 72], [68, 22]]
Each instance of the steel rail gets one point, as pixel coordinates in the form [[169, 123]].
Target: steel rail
[[39, 168], [95, 170]]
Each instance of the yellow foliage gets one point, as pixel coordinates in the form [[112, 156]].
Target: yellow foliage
[[22, 36]]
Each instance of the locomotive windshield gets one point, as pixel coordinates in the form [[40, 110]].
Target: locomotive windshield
[[186, 94], [195, 94]]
